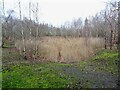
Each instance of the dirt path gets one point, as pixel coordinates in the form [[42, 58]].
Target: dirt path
[[89, 78]]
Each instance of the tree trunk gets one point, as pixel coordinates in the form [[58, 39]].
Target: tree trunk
[[105, 41], [23, 40], [1, 35], [36, 46], [111, 36]]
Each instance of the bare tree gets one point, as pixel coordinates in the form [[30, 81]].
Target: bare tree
[[86, 31], [111, 18], [77, 24], [111, 29], [6, 28], [2, 23], [36, 28], [36, 23], [0, 34], [21, 24], [30, 16], [3, 8]]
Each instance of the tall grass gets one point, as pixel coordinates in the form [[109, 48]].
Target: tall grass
[[68, 49]]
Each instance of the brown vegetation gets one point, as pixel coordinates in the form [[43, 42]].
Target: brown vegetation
[[62, 49]]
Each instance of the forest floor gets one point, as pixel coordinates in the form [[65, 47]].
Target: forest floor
[[100, 71]]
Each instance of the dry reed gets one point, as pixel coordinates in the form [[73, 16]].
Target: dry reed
[[67, 49]]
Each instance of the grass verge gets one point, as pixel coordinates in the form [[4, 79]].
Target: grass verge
[[104, 61]]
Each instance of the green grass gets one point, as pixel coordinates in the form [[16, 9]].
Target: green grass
[[106, 55], [103, 61], [83, 64], [106, 61], [20, 73], [60, 64], [0, 79], [30, 76]]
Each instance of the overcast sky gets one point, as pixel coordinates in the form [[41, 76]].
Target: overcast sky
[[57, 12]]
